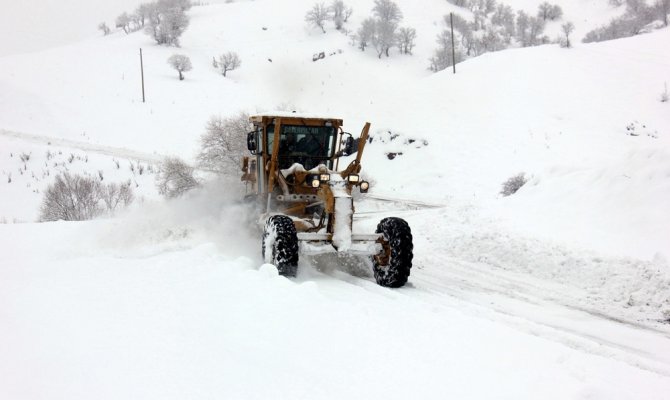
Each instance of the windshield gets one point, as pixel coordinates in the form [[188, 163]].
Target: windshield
[[306, 145]]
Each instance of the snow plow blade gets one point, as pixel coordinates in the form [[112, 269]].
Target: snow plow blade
[[312, 244]]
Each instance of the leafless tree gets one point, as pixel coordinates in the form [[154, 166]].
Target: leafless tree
[[167, 22], [663, 9], [340, 13], [568, 28], [443, 58], [460, 3], [175, 178], [504, 16], [114, 195], [181, 63], [104, 28], [406, 40], [223, 144], [366, 33], [228, 62], [141, 14], [387, 11], [318, 16], [385, 36], [123, 21]]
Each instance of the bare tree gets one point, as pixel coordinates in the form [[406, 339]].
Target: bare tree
[[142, 13], [175, 178], [387, 11], [318, 16], [167, 22], [114, 195], [544, 10], [388, 15], [443, 58], [568, 28], [384, 38], [460, 3], [366, 33], [181, 63], [536, 27], [229, 61], [71, 198], [504, 17], [223, 144], [340, 13], [406, 40], [104, 28], [663, 9], [123, 21], [556, 12]]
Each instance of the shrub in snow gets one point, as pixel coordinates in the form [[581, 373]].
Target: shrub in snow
[[104, 28], [71, 198], [228, 62], [664, 96], [180, 63], [175, 178], [318, 16], [513, 184], [223, 144]]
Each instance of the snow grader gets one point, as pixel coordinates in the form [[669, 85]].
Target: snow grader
[[305, 202]]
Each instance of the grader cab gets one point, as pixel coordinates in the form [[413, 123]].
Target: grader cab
[[305, 201]]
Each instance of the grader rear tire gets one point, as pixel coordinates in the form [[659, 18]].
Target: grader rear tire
[[280, 244], [392, 266]]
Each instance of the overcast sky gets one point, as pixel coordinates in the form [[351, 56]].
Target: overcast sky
[[31, 25]]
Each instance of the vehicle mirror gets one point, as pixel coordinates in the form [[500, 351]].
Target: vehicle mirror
[[350, 146], [252, 145]]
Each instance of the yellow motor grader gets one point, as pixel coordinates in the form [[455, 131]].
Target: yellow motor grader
[[305, 201]]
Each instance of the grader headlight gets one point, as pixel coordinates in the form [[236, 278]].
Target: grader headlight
[[364, 186], [353, 178], [324, 177]]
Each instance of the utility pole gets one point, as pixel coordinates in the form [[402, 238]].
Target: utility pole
[[453, 49], [142, 70]]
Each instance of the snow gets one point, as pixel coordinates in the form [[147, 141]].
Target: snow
[[560, 291]]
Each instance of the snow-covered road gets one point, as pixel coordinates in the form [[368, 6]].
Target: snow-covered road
[[166, 304]]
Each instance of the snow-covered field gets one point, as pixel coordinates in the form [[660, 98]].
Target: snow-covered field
[[560, 291]]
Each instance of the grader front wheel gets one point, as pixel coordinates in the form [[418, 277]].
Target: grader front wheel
[[392, 266], [280, 244]]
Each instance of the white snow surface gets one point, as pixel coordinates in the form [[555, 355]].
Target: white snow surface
[[560, 291]]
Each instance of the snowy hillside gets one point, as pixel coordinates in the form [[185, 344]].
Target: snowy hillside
[[561, 290]]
